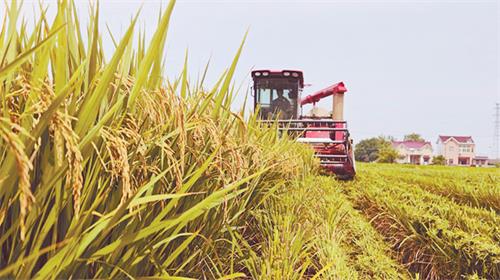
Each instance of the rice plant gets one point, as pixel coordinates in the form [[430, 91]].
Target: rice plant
[[107, 169]]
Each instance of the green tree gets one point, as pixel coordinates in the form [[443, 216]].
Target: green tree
[[387, 155], [368, 150], [439, 160], [414, 137]]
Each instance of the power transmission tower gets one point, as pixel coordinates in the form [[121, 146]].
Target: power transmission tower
[[496, 144]]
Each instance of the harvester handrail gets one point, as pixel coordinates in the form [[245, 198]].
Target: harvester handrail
[[332, 163], [330, 156], [312, 129], [304, 121], [327, 142]]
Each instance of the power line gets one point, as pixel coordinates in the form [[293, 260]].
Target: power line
[[496, 138]]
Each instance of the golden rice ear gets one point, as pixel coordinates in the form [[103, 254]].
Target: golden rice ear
[[74, 176], [119, 167], [23, 164]]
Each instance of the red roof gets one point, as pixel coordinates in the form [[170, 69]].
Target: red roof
[[411, 144], [460, 139]]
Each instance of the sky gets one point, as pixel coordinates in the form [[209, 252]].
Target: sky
[[429, 67]]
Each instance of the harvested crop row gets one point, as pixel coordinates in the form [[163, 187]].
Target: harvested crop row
[[442, 205], [483, 192], [368, 253], [429, 240], [468, 174], [340, 243], [487, 177], [476, 220]]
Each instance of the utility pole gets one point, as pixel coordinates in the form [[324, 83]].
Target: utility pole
[[496, 139]]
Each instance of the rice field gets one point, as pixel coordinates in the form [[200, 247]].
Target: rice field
[[391, 222], [108, 169], [438, 232]]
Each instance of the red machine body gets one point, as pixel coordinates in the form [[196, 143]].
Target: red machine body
[[327, 134]]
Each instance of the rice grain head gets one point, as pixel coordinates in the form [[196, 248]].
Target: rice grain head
[[118, 155], [24, 166], [73, 156]]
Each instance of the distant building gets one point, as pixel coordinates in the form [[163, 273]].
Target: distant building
[[457, 150], [414, 152], [480, 161]]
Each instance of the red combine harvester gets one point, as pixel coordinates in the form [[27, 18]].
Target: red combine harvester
[[277, 96]]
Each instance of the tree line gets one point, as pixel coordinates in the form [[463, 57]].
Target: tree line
[[380, 149]]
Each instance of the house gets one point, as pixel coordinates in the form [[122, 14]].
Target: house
[[457, 150], [480, 161], [414, 152]]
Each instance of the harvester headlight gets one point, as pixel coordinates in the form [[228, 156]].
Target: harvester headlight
[[295, 74], [265, 74], [257, 74], [286, 74]]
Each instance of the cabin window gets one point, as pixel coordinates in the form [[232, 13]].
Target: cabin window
[[264, 97], [267, 97]]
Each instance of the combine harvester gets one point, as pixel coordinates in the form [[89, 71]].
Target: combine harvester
[[277, 95]]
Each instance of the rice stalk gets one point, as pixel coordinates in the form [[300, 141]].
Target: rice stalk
[[129, 174]]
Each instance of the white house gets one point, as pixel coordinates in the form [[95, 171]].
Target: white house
[[414, 152], [457, 150]]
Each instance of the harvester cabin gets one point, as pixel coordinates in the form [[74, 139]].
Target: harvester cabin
[[277, 93]]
